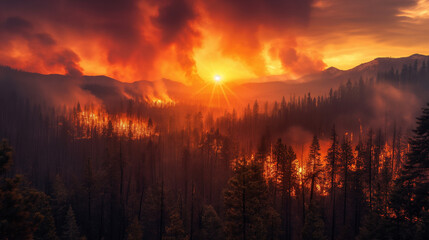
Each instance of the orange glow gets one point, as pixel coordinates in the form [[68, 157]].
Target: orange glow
[[418, 12], [164, 101], [98, 121], [270, 170], [143, 41]]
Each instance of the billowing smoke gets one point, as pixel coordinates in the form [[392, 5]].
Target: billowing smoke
[[133, 40], [29, 48]]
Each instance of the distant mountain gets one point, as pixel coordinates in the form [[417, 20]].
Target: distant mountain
[[385, 64], [320, 83], [60, 89]]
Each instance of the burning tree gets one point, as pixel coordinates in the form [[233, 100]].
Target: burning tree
[[410, 197]]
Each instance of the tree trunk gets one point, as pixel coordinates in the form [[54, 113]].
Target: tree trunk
[[161, 213], [345, 189]]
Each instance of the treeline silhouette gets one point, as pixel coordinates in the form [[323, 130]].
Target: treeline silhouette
[[198, 174]]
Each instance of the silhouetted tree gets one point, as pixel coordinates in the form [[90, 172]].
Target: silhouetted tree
[[247, 212], [70, 229], [314, 227], [289, 181], [410, 196], [211, 224], [314, 166], [175, 229], [346, 159], [25, 213], [332, 158], [134, 230]]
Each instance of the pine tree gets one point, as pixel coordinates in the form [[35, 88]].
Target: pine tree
[[248, 215], [289, 182], [333, 157], [314, 227], [89, 187], [5, 157], [25, 213], [211, 224], [356, 177], [175, 230], [153, 206], [347, 158], [375, 226], [410, 196], [134, 230], [70, 229], [314, 166], [279, 155], [369, 166], [46, 229], [59, 203]]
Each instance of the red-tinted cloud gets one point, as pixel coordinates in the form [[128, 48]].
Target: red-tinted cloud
[[246, 25], [149, 39], [136, 38]]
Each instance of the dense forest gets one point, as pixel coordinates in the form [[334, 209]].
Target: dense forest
[[347, 165]]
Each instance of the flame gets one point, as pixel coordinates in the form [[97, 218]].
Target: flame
[[90, 122], [270, 170], [163, 101]]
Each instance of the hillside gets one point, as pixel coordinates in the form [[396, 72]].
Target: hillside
[[63, 89]]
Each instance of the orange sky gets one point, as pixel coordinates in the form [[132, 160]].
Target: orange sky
[[193, 40]]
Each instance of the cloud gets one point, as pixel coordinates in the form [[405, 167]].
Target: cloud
[[174, 21], [246, 26], [359, 31], [17, 25], [141, 39], [35, 50], [150, 39]]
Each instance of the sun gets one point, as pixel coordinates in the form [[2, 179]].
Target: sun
[[219, 90], [217, 78]]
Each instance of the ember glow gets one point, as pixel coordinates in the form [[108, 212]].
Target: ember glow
[[98, 122], [214, 119], [165, 101]]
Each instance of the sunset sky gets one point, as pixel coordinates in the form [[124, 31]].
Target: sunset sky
[[194, 40]]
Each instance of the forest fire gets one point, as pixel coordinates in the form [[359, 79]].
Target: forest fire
[[163, 101], [214, 120], [91, 122]]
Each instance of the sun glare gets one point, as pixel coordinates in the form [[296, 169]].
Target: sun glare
[[217, 78]]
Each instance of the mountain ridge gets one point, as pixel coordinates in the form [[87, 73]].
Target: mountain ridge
[[108, 89]]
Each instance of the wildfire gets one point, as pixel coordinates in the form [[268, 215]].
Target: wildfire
[[96, 122], [270, 171], [163, 101]]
